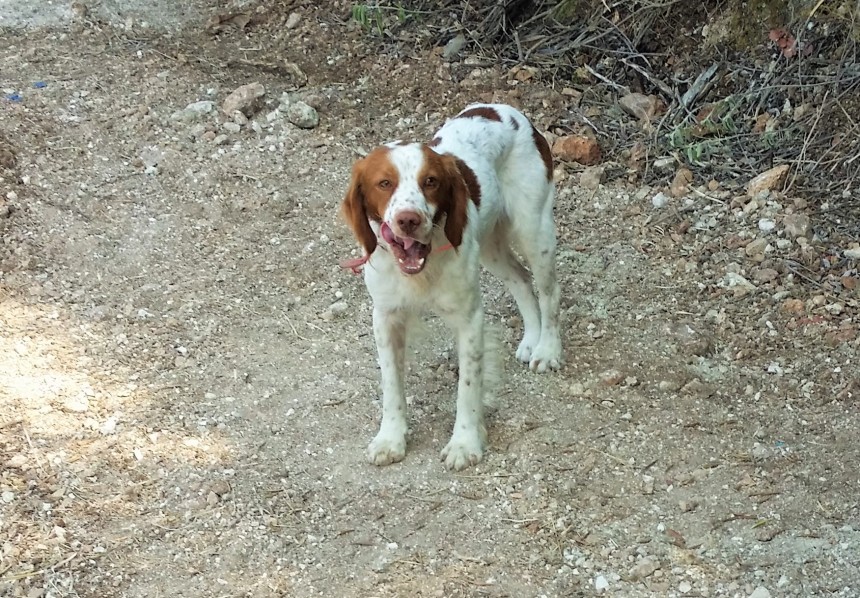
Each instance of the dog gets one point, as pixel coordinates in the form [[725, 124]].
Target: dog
[[427, 216]]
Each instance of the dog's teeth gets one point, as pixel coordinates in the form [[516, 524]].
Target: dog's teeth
[[421, 262], [401, 260]]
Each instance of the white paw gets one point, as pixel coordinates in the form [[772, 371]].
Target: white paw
[[546, 356], [463, 450], [386, 449], [524, 351]]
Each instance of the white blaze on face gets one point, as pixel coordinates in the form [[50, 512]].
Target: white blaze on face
[[409, 162]]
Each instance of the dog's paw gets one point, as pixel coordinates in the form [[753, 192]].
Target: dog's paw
[[524, 352], [546, 356], [386, 449], [463, 450], [526, 348]]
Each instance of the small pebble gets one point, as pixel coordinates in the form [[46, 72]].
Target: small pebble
[[78, 404], [760, 592], [339, 307], [109, 427], [660, 200], [601, 583], [293, 20], [16, 461], [302, 115], [647, 484], [766, 225], [644, 567]]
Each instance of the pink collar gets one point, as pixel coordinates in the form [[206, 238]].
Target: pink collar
[[357, 263]]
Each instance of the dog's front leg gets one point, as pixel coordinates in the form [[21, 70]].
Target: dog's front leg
[[466, 446], [389, 328]]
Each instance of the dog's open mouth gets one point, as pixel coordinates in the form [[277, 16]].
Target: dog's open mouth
[[410, 254]]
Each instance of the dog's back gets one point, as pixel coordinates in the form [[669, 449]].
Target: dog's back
[[508, 156]]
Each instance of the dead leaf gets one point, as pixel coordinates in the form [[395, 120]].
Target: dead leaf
[[676, 538], [643, 107], [793, 306], [533, 527], [761, 122], [523, 73], [681, 183], [217, 23], [784, 41], [638, 153]]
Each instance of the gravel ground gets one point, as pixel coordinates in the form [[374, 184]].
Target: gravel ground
[[188, 380]]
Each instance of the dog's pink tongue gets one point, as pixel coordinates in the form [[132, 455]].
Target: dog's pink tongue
[[387, 234], [390, 237]]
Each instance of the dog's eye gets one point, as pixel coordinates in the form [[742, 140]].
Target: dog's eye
[[431, 182], [384, 184]]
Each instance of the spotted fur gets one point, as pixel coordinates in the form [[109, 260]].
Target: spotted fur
[[481, 186]]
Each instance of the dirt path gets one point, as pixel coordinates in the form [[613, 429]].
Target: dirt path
[[188, 382]]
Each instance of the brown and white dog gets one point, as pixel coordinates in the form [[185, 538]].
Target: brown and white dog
[[427, 216]]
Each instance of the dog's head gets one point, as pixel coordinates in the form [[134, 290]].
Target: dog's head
[[400, 195]]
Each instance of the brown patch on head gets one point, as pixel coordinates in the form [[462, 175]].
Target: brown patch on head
[[515, 124], [374, 180], [435, 141], [481, 112], [544, 151], [444, 186]]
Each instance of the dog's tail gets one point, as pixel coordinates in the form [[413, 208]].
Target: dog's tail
[[493, 365]]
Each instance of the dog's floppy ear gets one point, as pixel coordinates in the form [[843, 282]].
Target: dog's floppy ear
[[355, 211], [456, 203]]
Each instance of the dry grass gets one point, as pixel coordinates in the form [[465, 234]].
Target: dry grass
[[735, 103]]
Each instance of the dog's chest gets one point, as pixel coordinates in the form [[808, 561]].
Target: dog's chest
[[440, 288]]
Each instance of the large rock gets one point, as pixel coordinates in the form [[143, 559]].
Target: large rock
[[760, 592], [193, 112], [797, 225], [246, 99], [643, 568], [768, 180], [591, 177], [577, 148], [643, 107], [302, 115]]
